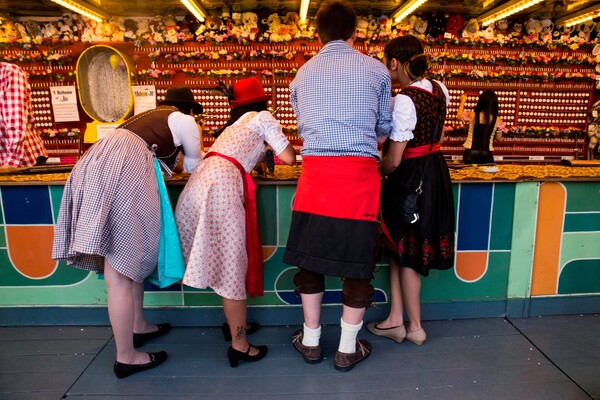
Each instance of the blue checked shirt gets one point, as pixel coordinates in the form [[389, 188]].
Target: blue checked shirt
[[342, 101]]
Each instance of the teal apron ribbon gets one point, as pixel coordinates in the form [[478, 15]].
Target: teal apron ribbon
[[171, 266]]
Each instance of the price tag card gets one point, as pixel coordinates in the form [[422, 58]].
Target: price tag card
[[64, 103], [536, 158], [103, 129], [144, 98]]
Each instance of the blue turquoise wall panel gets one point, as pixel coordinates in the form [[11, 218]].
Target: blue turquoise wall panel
[[56, 193], [285, 198], [266, 200], [502, 216], [580, 276], [26, 205], [474, 214], [582, 222], [582, 196]]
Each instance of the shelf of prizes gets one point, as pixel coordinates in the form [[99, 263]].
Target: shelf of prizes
[[548, 96], [527, 244]]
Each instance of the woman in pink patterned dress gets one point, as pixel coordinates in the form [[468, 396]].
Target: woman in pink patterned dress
[[219, 240]]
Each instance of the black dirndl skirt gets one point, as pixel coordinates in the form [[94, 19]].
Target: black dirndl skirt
[[429, 243]]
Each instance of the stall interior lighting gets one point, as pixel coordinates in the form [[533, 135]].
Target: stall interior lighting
[[87, 10], [303, 10], [505, 10], [579, 17], [195, 8], [406, 10], [577, 4]]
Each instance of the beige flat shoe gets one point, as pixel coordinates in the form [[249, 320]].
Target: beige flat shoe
[[417, 337], [396, 333]]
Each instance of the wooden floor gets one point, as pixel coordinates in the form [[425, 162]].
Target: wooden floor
[[555, 357]]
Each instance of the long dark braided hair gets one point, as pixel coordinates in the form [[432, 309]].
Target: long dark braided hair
[[487, 105]]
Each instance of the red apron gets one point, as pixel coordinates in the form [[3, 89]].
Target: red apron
[[254, 276]]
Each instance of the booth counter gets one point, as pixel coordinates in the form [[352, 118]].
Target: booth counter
[[524, 248]]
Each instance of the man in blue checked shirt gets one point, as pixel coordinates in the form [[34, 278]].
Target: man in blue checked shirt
[[342, 101]]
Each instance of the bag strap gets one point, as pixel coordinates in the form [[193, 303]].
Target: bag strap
[[418, 190]]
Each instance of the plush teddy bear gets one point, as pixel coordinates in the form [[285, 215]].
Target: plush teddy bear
[[533, 29], [420, 28], [107, 31], [236, 23], [189, 25], [547, 29], [284, 34], [143, 28], [225, 22], [373, 26], [249, 25], [8, 32], [585, 30], [157, 30], [73, 22], [455, 26], [501, 30], [471, 30], [563, 33], [50, 30], [362, 23], [594, 138], [87, 35], [488, 33], [130, 26], [596, 54], [212, 23], [312, 27], [78, 23], [405, 26], [273, 27], [516, 30], [171, 29], [23, 36], [595, 33], [385, 26], [308, 29], [291, 19], [34, 31], [436, 25], [65, 30], [118, 29]]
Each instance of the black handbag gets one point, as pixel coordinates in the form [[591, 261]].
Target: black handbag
[[408, 207]]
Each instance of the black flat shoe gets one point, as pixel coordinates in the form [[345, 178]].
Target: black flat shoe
[[124, 370], [227, 334], [235, 356], [140, 338]]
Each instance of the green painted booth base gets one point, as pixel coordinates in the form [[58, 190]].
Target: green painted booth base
[[522, 249]]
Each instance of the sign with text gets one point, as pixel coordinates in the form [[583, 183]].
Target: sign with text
[[64, 103], [144, 98]]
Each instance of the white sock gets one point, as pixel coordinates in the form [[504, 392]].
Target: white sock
[[311, 336], [348, 337]]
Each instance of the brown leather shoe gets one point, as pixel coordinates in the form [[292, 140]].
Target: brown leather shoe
[[346, 361], [311, 354]]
